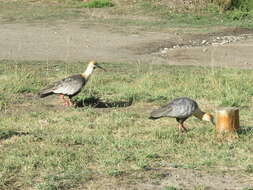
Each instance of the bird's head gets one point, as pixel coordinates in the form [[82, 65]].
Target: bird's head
[[95, 65], [91, 66], [208, 117]]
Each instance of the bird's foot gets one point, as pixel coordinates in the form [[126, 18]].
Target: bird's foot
[[69, 102], [182, 128], [65, 102]]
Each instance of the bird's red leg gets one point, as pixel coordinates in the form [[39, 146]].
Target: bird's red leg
[[64, 100], [70, 103], [179, 127], [183, 127]]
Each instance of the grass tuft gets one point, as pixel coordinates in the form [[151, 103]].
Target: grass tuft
[[249, 168], [97, 4], [171, 188]]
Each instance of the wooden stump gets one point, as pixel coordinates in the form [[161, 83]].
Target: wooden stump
[[227, 122]]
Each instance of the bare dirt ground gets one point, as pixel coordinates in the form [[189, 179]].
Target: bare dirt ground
[[182, 179], [229, 47], [68, 42]]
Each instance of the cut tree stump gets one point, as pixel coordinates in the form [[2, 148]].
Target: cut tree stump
[[227, 121]]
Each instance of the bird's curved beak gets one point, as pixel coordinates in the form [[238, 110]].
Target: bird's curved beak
[[98, 66], [212, 121]]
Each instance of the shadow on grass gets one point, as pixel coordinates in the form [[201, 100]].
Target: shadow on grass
[[244, 130], [5, 134], [97, 103]]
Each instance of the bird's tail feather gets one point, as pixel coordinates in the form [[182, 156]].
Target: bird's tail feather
[[43, 95], [45, 92], [153, 118], [158, 113]]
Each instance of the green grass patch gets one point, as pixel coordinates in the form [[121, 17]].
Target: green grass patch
[[198, 16], [249, 168], [97, 4], [245, 5], [156, 15], [171, 188], [23, 11], [47, 146]]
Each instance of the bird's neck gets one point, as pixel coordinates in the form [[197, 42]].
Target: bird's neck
[[199, 114], [87, 73]]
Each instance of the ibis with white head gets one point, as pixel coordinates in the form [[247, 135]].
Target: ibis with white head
[[181, 109], [71, 85]]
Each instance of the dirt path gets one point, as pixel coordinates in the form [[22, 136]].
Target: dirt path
[[70, 42], [176, 179], [238, 54]]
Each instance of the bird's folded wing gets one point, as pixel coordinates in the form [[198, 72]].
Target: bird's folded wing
[[161, 112], [68, 86]]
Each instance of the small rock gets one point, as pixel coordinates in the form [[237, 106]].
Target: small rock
[[205, 50], [224, 42], [176, 46], [215, 44], [203, 41], [165, 50]]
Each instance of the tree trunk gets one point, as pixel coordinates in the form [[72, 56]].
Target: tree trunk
[[227, 121]]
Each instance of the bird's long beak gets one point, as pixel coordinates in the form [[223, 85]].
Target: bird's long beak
[[100, 67], [213, 122]]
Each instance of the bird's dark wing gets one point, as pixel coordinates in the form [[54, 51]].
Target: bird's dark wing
[[49, 89], [182, 107], [178, 108], [161, 112], [70, 85], [67, 86]]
